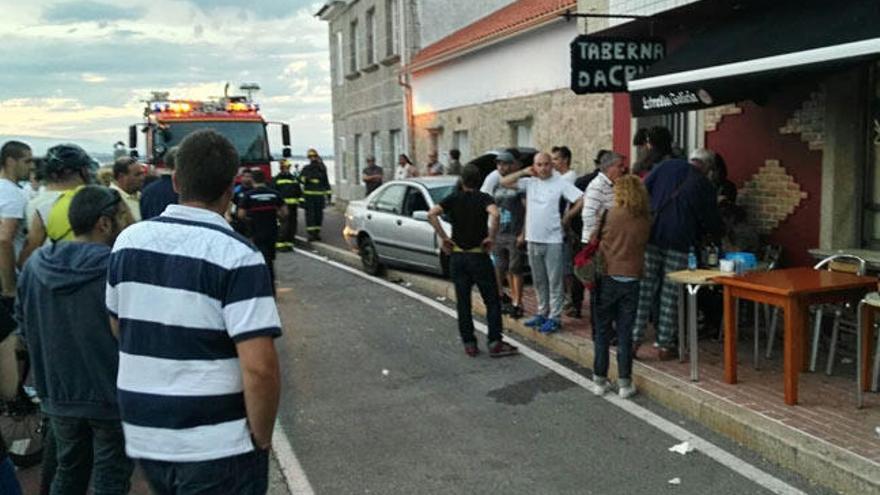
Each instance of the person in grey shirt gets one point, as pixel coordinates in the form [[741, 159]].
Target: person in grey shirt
[[372, 175]]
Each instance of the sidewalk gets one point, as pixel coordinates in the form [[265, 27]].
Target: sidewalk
[[825, 438]]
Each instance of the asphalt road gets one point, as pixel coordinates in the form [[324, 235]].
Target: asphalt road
[[379, 397]]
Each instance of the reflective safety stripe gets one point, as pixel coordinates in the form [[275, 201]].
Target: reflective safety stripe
[[313, 228], [292, 201], [316, 193], [285, 181]]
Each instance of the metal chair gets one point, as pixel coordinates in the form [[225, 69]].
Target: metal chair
[[844, 319], [871, 299]]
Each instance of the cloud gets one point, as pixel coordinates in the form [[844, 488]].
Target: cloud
[[87, 11], [92, 78], [176, 46]]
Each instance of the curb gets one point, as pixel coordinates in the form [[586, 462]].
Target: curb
[[812, 458]]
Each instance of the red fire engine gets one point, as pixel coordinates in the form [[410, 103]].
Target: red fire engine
[[167, 121]]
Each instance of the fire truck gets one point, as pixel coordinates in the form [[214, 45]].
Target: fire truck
[[167, 121]]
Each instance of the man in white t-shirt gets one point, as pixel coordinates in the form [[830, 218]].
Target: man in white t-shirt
[[16, 161], [15, 164], [544, 190]]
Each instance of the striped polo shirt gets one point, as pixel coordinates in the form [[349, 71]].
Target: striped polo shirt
[[185, 289]]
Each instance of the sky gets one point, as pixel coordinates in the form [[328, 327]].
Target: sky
[[78, 71]]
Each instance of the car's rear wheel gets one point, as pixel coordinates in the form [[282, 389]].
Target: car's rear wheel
[[369, 257]]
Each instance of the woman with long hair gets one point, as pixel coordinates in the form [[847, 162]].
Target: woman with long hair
[[625, 232]]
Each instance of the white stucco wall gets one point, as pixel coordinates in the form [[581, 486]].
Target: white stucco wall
[[527, 64], [642, 7]]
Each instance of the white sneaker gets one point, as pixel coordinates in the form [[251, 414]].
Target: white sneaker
[[600, 385], [626, 389]]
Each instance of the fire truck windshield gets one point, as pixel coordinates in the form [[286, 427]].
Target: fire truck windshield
[[249, 138]]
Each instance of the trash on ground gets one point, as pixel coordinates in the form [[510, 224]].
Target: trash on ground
[[407, 284], [441, 298], [846, 360], [675, 481], [385, 372], [683, 448], [877, 431]]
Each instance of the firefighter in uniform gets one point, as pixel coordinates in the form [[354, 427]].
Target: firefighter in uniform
[[290, 188], [315, 188]]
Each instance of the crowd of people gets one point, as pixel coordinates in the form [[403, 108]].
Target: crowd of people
[[123, 342], [646, 219]]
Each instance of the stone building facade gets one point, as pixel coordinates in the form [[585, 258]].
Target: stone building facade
[[369, 42]]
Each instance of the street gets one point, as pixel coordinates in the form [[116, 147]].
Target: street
[[379, 397]]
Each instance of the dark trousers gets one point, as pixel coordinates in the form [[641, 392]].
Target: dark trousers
[[78, 441], [288, 224], [50, 458], [244, 474], [268, 249], [617, 303], [8, 482], [314, 214], [467, 269]]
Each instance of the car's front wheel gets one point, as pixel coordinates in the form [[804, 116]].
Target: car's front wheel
[[369, 257]]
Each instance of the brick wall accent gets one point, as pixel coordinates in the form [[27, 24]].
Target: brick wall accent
[[809, 121], [713, 116], [770, 196]]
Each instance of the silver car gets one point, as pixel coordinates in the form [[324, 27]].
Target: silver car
[[390, 226]]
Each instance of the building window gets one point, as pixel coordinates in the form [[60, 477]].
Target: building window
[[357, 155], [392, 26], [343, 152], [376, 147], [370, 28], [461, 143], [396, 146], [353, 43], [340, 59], [521, 133]]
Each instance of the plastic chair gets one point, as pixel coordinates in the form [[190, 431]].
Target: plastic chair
[[844, 319]]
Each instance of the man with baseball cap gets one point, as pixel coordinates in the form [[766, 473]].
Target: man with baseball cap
[[509, 250]]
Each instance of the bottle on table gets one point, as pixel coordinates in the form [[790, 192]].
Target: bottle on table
[[692, 259]]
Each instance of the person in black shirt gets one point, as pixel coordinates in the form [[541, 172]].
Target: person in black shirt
[[469, 212], [287, 184], [316, 188], [261, 207], [160, 193]]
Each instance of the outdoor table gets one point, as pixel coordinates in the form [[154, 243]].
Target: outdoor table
[[691, 281], [794, 290]]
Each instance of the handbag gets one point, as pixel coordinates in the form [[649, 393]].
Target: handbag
[[588, 262]]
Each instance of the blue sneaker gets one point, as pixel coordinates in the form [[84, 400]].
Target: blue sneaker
[[535, 321], [550, 325]]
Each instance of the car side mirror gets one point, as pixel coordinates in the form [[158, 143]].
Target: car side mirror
[[420, 215]]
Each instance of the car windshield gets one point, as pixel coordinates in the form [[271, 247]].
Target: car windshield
[[439, 192], [249, 138]]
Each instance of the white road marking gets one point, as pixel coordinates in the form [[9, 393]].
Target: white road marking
[[711, 450], [297, 482]]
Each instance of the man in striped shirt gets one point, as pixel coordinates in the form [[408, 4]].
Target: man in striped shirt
[[192, 303]]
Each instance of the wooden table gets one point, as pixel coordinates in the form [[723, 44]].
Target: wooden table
[[691, 281], [794, 290]]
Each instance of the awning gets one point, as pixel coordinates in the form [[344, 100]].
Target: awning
[[749, 55]]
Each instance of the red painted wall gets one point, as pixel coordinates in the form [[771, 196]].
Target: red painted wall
[[622, 137], [747, 139]]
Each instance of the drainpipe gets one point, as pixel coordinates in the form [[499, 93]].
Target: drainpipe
[[403, 79]]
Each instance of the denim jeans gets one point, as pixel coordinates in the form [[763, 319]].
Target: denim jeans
[[8, 482], [467, 269], [244, 474], [546, 262], [77, 441], [617, 303]]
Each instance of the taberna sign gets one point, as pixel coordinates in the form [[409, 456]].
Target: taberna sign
[[604, 65]]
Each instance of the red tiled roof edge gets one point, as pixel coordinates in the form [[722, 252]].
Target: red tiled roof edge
[[516, 17]]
